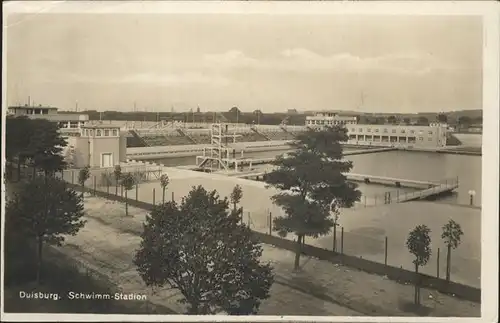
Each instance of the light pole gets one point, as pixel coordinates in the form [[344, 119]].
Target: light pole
[[472, 193]]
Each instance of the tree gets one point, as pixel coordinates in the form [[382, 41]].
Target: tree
[[235, 198], [407, 121], [423, 121], [46, 146], [392, 119], [312, 184], [36, 140], [464, 121], [418, 243], [452, 235], [83, 176], [70, 156], [442, 118], [118, 174], [200, 248], [45, 210], [17, 137], [128, 182], [164, 181]]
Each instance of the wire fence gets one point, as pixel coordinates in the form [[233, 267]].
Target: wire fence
[[373, 246], [105, 177]]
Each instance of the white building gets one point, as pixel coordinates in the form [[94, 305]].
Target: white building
[[398, 135], [65, 120], [329, 119], [387, 135]]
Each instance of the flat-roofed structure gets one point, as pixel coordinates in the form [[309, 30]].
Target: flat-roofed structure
[[386, 135], [65, 120], [329, 119], [97, 146], [404, 136]]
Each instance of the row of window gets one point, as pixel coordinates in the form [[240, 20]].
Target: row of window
[[331, 122], [387, 138], [100, 132], [385, 130]]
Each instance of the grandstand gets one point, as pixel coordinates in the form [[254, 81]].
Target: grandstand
[[170, 136]]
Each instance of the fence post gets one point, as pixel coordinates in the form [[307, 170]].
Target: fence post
[[94, 186], [365, 200], [342, 240], [107, 186], [270, 223], [437, 274], [154, 195], [121, 191], [385, 258], [173, 198], [72, 177], [249, 219], [375, 200], [335, 237], [136, 192]]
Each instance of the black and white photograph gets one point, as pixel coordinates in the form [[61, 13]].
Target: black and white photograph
[[266, 160]]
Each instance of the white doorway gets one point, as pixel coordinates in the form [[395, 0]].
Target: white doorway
[[107, 160]]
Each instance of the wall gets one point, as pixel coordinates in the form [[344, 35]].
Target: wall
[[123, 147], [101, 145], [81, 158]]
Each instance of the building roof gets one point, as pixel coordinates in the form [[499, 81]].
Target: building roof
[[100, 126]]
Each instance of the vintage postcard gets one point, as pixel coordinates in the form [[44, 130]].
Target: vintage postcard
[[250, 161]]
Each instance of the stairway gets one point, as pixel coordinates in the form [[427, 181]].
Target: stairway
[[184, 134], [136, 140], [254, 129]]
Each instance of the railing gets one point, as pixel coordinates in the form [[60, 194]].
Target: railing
[[398, 196]]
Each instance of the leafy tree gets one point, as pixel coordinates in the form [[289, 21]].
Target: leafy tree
[[312, 184], [46, 146], [392, 119], [423, 121], [118, 174], [235, 198], [200, 248], [83, 176], [45, 210], [164, 181], [128, 182], [17, 138], [442, 118], [38, 141], [407, 121], [452, 235], [464, 121], [418, 243], [70, 156]]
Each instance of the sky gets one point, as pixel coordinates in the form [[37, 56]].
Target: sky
[[401, 64]]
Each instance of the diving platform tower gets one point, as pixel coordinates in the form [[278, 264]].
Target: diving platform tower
[[219, 156]]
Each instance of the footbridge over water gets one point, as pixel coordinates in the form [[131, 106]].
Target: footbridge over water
[[424, 189]]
